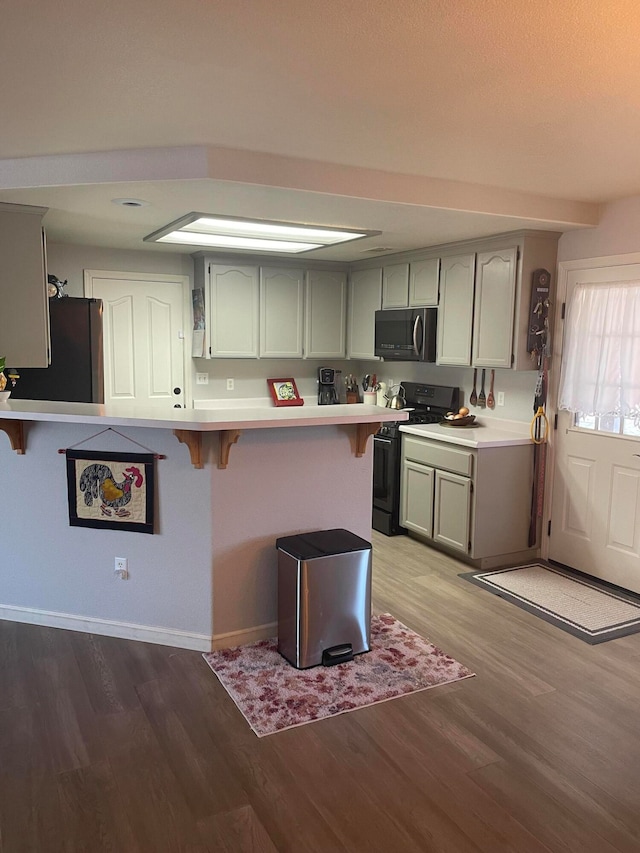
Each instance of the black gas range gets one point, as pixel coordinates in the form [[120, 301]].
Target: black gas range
[[427, 404]]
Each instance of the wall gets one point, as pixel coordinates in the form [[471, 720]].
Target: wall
[[61, 575], [618, 233], [69, 262]]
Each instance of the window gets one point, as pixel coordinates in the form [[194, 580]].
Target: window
[[600, 375]]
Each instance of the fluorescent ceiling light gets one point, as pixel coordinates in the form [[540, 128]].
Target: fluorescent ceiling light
[[228, 232]]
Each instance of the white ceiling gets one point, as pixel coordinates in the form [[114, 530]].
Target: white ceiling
[[429, 120]]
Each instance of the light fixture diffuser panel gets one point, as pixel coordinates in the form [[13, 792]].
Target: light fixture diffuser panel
[[230, 232]]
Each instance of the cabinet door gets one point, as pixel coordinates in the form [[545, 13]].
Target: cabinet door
[[281, 295], [325, 314], [24, 317], [365, 298], [452, 510], [395, 286], [233, 311], [494, 307], [455, 311], [416, 498], [424, 279]]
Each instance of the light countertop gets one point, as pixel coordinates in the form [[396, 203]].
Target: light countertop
[[491, 432], [200, 420]]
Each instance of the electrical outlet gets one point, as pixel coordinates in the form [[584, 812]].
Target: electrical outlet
[[230, 384], [202, 378], [500, 398], [120, 568]]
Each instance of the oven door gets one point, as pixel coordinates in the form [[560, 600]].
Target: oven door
[[386, 469]]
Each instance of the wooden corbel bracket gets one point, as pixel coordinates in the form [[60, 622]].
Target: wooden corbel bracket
[[363, 431], [15, 431], [227, 438], [193, 440]]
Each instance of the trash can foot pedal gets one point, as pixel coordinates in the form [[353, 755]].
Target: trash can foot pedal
[[337, 654]]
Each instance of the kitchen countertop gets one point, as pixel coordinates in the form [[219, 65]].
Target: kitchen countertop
[[199, 420], [491, 432]]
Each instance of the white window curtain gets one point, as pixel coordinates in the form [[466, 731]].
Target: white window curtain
[[600, 372]]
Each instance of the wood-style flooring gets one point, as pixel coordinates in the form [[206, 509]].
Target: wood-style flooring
[[111, 745]]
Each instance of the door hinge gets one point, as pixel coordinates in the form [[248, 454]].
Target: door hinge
[[513, 358], [549, 528], [563, 310], [555, 421], [471, 487]]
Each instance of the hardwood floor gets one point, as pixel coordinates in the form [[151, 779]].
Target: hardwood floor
[[111, 745]]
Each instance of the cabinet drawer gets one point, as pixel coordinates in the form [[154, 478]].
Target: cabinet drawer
[[438, 455]]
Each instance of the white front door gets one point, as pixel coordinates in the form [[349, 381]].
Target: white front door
[[595, 515], [143, 332]]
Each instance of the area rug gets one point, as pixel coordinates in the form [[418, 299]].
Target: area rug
[[273, 695], [591, 610]]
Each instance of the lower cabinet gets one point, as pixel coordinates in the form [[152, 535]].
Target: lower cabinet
[[472, 501]]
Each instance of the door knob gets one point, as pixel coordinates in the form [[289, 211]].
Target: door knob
[[177, 406], [177, 390]]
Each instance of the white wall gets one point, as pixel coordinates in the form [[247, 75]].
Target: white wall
[[69, 262], [49, 567], [618, 233]]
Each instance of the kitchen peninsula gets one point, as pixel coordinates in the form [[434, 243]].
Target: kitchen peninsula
[[240, 479]]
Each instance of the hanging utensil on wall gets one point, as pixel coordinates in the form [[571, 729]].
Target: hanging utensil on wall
[[473, 399], [491, 400], [482, 397]]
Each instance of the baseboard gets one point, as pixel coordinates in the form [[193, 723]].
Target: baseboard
[[107, 628], [245, 636]]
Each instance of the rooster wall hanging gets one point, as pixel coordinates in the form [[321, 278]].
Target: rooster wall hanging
[[111, 490]]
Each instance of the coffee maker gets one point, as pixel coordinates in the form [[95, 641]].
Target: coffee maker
[[327, 391]]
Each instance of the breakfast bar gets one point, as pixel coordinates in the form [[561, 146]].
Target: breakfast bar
[[229, 482]]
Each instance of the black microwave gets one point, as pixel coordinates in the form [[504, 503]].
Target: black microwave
[[406, 334]]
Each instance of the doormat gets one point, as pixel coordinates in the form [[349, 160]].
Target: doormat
[[273, 695], [591, 610]]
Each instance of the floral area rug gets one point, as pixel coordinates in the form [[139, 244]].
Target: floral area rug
[[273, 695]]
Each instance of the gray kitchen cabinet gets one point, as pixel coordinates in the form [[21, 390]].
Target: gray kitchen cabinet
[[231, 296], [24, 318], [395, 286], [281, 312], [325, 327], [424, 280], [493, 316], [365, 298], [469, 501], [455, 310]]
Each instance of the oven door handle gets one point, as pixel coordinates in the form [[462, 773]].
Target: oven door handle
[[382, 440]]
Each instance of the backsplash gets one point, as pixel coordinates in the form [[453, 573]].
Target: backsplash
[[250, 380]]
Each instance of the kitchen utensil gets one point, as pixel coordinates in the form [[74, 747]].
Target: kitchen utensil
[[491, 400], [482, 397], [381, 388], [473, 399], [366, 382]]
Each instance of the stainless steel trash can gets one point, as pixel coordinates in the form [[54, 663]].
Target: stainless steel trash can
[[324, 597]]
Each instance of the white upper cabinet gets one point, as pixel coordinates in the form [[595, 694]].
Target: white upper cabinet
[[365, 298], [325, 314], [424, 278], [233, 311], [455, 311], [494, 306], [281, 317], [395, 286], [24, 317]]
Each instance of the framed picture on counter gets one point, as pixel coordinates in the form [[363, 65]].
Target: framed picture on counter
[[284, 392]]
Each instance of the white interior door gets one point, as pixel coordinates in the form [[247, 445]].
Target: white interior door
[[595, 514], [144, 322]]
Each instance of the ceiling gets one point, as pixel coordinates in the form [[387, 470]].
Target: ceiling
[[427, 120]]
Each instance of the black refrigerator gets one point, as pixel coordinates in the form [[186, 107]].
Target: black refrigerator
[[76, 372]]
